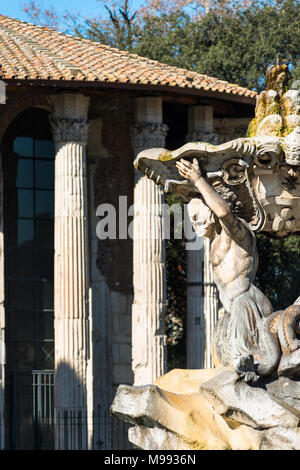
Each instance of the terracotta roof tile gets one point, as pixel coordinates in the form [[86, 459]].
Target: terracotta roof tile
[[30, 52]]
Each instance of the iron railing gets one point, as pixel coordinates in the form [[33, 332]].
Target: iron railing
[[77, 429], [70, 431], [64, 429]]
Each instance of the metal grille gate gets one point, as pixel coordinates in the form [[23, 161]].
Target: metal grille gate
[[30, 423], [33, 424]]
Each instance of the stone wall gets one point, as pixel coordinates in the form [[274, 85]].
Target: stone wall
[[113, 177], [231, 128], [110, 176]]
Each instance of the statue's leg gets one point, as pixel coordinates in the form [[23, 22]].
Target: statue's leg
[[268, 354], [252, 349], [242, 336]]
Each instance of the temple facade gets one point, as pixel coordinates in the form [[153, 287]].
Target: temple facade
[[82, 312]]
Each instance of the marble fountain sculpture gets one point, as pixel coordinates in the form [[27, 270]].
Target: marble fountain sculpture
[[251, 399]]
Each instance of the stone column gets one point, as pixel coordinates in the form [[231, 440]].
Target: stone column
[[202, 296], [149, 356], [211, 306], [70, 130]]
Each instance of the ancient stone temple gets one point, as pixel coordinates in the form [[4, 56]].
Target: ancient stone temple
[[82, 312], [251, 399]]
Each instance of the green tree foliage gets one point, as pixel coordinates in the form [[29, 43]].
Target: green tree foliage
[[234, 47], [231, 40]]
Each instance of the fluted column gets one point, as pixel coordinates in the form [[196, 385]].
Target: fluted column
[[70, 129], [149, 279], [211, 305], [202, 295]]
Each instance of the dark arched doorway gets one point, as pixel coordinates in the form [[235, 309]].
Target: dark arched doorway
[[28, 172]]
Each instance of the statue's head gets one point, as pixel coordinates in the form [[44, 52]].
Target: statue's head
[[202, 218]]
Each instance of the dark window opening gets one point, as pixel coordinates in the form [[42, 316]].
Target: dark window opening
[[28, 171]]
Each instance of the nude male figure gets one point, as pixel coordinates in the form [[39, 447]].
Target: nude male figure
[[234, 259]]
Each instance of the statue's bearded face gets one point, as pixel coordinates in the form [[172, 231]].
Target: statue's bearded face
[[202, 218]]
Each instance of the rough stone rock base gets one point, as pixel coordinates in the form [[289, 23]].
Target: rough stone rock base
[[211, 409]]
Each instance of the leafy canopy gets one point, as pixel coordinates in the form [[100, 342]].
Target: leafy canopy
[[232, 40]]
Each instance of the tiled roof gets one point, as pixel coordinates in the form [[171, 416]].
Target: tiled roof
[[30, 52]]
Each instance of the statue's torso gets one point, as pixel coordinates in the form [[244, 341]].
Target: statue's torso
[[234, 263]]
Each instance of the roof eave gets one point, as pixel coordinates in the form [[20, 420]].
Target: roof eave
[[132, 86]]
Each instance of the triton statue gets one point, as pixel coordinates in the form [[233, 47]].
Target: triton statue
[[233, 190]]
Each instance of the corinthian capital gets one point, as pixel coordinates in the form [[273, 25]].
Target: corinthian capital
[[69, 130], [69, 117], [148, 135]]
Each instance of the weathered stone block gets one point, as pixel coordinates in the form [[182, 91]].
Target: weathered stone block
[[209, 409]]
